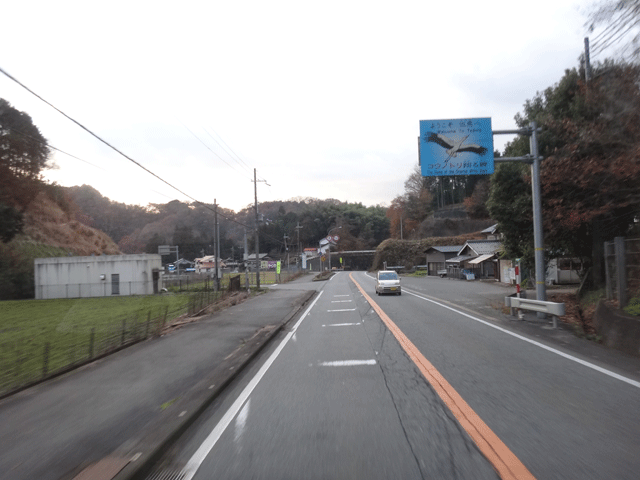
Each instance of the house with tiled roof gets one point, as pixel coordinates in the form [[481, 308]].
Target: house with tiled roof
[[478, 257]]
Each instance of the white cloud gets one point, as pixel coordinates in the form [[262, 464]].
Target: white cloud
[[324, 99]]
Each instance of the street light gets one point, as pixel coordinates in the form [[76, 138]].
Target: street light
[[329, 235]]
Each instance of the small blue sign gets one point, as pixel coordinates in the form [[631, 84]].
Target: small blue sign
[[456, 147]]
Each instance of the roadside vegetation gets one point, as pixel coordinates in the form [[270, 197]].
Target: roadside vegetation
[[41, 337]]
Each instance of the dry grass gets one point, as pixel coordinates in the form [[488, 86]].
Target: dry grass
[[47, 223]]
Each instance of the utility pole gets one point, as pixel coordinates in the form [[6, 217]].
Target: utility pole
[[255, 185], [298, 227], [286, 249], [246, 259], [216, 249], [587, 61], [255, 191]]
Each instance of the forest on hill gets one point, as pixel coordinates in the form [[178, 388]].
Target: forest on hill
[[283, 225]]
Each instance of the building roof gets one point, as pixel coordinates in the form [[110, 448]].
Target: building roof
[[490, 230], [445, 248], [482, 247], [459, 258], [482, 258]]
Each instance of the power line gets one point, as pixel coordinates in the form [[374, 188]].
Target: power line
[[95, 135], [225, 149], [47, 144], [121, 153], [208, 148]]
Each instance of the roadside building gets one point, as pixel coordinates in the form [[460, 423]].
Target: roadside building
[[484, 263], [207, 264], [97, 276], [477, 257], [438, 256]]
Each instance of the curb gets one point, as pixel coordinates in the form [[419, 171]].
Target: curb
[[136, 458]]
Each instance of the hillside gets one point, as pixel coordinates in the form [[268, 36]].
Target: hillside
[[50, 230], [46, 223]]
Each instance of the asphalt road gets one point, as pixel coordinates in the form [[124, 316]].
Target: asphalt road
[[337, 396]]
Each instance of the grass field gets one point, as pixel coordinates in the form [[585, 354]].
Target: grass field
[[40, 337]]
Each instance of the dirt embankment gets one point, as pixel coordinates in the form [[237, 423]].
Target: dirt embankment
[[45, 222]]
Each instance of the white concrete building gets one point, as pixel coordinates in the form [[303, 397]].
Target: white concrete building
[[97, 276]]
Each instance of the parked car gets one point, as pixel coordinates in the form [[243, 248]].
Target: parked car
[[388, 281]]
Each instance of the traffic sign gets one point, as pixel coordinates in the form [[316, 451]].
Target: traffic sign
[[461, 146]]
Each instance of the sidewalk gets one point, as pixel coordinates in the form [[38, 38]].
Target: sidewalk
[[112, 416]]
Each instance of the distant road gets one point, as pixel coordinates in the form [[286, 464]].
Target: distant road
[[417, 386]]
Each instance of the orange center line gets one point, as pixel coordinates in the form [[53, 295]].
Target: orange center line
[[503, 460]]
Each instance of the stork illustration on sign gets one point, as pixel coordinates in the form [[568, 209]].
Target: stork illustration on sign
[[454, 147]]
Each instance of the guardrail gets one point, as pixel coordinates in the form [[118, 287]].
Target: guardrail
[[550, 308]]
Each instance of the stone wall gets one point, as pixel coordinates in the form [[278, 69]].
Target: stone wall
[[618, 330]]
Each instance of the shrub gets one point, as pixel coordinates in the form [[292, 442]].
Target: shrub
[[634, 307]]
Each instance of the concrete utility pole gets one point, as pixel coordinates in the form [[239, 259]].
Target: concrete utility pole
[[246, 259], [216, 249], [298, 227], [255, 187], [587, 61]]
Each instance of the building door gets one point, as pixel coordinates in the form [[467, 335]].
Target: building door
[[155, 275], [115, 284]]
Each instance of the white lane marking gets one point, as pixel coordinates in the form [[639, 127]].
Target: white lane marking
[[333, 276], [341, 301], [342, 295], [344, 310], [537, 344], [198, 457], [347, 363], [341, 324], [241, 422]]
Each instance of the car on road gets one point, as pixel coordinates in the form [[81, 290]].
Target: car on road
[[388, 281]]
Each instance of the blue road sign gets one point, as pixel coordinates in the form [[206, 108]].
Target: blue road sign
[[462, 146]]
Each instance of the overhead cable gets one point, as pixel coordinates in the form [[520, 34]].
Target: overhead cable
[[121, 153]]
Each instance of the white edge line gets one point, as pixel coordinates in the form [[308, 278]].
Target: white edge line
[[198, 457], [538, 344]]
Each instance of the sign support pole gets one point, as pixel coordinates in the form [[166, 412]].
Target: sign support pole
[[538, 243], [534, 159]]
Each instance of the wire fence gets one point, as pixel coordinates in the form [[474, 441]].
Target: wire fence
[[205, 281], [29, 358], [622, 270]]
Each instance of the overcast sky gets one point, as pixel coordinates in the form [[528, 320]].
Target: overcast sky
[[324, 98]]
